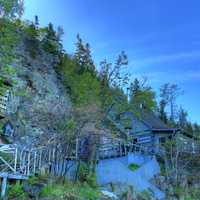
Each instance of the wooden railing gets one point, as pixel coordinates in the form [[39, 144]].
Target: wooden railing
[[121, 150], [3, 103]]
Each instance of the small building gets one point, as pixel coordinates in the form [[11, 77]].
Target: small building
[[145, 128]]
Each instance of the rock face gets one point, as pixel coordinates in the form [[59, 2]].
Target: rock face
[[38, 101]]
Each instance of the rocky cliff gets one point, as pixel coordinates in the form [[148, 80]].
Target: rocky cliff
[[38, 101]]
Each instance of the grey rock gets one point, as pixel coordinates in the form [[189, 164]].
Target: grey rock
[[38, 101]]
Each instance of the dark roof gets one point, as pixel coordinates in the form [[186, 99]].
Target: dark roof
[[153, 122]]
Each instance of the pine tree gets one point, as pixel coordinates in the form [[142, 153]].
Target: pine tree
[[50, 42], [83, 56], [134, 89], [162, 112], [31, 40], [36, 22], [142, 95], [182, 118]]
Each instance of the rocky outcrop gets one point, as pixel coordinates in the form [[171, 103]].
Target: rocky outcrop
[[38, 102]]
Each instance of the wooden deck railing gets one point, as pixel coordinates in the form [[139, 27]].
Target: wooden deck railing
[[3, 103]]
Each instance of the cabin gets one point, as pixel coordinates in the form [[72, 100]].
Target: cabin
[[187, 143], [144, 128]]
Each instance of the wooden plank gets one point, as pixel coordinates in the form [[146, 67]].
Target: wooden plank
[[13, 176], [77, 148], [7, 164], [28, 165], [15, 167], [34, 164], [40, 160], [3, 187]]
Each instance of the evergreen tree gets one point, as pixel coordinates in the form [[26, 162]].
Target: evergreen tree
[[36, 22], [31, 40], [10, 9], [83, 56], [182, 118], [142, 95], [50, 42], [134, 89], [162, 112]]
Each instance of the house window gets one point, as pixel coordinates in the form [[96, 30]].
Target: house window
[[170, 137], [135, 140], [162, 140]]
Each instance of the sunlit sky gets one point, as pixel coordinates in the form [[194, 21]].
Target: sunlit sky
[[161, 38]]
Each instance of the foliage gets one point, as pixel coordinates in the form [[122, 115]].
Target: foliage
[[31, 39], [83, 57], [84, 88], [145, 195], [51, 40], [188, 194], [16, 192], [38, 179], [69, 190], [133, 167], [11, 8], [142, 94], [8, 39], [85, 176]]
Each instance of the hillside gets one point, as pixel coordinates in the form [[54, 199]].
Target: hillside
[[72, 130]]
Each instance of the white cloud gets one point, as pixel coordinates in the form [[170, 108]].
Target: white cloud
[[159, 59]]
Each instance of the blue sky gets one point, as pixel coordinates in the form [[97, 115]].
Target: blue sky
[[161, 38]]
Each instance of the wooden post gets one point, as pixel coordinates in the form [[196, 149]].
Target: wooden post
[[3, 187], [28, 166], [24, 163], [34, 164], [53, 156], [15, 167], [49, 156], [120, 148], [77, 147], [40, 160]]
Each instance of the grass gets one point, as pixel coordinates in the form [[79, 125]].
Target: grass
[[70, 191], [133, 166], [16, 192]]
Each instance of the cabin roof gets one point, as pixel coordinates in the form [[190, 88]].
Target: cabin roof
[[151, 121]]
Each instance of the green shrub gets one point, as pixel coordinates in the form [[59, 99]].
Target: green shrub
[[37, 179], [85, 176], [16, 192], [70, 191], [133, 167]]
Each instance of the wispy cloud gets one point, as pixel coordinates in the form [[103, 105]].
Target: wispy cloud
[[159, 59], [159, 77]]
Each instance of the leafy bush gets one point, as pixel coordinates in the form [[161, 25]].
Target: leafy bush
[[70, 191], [37, 179], [133, 167], [16, 192], [84, 176]]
